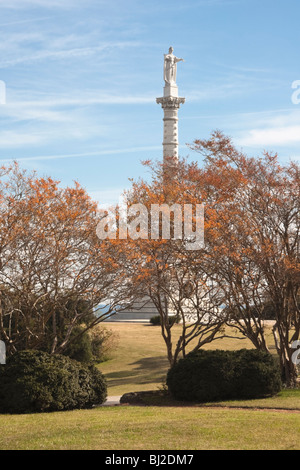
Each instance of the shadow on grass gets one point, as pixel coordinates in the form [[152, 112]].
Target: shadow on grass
[[161, 398], [147, 370]]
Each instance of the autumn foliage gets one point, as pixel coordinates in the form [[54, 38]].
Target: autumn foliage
[[250, 261], [54, 270], [253, 239]]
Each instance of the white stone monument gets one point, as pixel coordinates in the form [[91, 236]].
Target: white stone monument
[[144, 308], [170, 103]]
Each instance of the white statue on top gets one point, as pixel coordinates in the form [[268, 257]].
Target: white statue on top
[[170, 67]]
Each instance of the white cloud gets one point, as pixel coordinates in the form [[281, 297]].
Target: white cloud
[[274, 136], [12, 139], [275, 128]]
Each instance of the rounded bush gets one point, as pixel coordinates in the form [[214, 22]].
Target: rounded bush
[[208, 376], [34, 381], [257, 374], [156, 320]]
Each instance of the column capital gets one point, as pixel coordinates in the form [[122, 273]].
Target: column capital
[[170, 102]]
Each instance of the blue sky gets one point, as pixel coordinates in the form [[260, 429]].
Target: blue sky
[[82, 77]]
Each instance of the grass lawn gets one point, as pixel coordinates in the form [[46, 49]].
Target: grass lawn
[[285, 400], [152, 428]]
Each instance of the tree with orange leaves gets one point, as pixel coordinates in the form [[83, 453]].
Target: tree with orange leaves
[[250, 260], [253, 240], [54, 270], [162, 268]]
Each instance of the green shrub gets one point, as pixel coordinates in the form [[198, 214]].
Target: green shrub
[[223, 375], [156, 320], [34, 381], [80, 349], [95, 344], [103, 342], [257, 374]]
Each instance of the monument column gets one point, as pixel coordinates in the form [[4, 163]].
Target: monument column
[[170, 103]]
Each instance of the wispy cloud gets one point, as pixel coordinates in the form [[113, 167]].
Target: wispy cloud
[[33, 111], [22, 22], [48, 52], [19, 99], [13, 139], [29, 136], [52, 117], [53, 4], [231, 84], [83, 154], [48, 117]]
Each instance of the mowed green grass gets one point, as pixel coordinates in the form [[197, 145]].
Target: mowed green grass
[[152, 428]]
